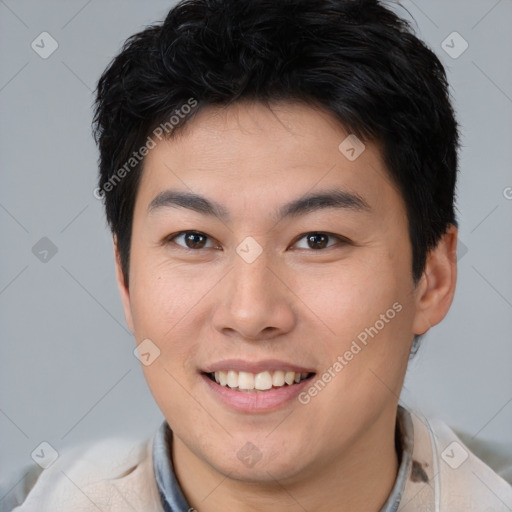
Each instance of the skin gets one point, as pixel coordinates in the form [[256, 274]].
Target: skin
[[294, 303]]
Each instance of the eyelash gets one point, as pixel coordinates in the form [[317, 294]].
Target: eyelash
[[171, 238]]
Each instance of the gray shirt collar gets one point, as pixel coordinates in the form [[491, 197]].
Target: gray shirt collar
[[174, 501]]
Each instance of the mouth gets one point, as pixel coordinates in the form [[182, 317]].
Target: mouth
[[261, 382], [252, 387]]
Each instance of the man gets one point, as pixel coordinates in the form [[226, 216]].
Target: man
[[279, 179]]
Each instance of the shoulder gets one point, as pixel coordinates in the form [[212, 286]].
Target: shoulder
[[84, 477], [461, 478], [495, 454], [15, 488]]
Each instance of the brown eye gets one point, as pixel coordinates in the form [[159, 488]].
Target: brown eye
[[319, 240], [191, 239]]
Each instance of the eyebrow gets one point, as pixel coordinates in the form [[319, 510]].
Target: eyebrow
[[332, 198]]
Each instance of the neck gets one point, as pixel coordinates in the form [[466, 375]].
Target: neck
[[359, 479]]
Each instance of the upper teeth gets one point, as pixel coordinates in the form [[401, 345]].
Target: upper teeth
[[261, 381]]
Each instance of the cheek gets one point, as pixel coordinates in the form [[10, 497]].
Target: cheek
[[162, 303], [368, 307], [166, 308], [351, 296], [160, 296]]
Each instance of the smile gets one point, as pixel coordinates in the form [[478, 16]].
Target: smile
[[257, 382]]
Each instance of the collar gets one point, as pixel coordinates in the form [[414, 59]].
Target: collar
[[174, 501], [168, 487], [404, 447]]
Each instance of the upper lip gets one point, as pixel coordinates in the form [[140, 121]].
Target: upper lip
[[240, 365]]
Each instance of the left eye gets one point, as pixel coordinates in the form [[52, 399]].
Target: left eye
[[318, 240]]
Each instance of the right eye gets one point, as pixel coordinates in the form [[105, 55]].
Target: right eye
[[191, 240]]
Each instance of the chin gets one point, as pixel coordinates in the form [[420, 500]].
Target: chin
[[253, 464]]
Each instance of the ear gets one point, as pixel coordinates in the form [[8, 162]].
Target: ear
[[436, 288], [123, 289]]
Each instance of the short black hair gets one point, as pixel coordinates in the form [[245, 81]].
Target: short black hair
[[356, 59]]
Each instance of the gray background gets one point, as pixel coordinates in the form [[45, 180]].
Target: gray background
[[68, 373]]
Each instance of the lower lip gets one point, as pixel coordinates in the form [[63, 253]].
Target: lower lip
[[255, 402]]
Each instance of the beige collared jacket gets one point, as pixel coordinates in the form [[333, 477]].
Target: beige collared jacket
[[438, 473]]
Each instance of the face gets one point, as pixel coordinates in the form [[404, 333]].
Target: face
[[242, 280]]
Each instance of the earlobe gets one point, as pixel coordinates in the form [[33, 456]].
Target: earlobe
[[123, 289], [436, 288]]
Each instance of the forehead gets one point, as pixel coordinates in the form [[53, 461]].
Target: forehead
[[251, 153]]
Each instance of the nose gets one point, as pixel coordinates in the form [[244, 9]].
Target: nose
[[254, 302]]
